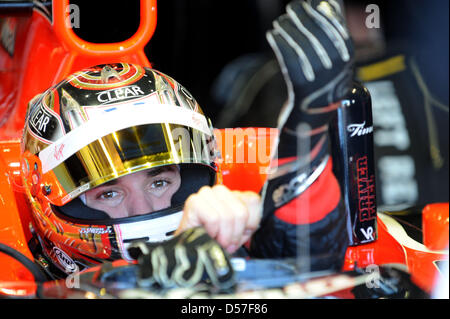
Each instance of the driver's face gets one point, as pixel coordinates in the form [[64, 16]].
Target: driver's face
[[136, 194]]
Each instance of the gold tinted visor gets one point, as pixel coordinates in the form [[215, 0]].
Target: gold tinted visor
[[127, 151]]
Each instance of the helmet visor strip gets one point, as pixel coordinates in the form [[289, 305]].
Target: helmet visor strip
[[127, 151]]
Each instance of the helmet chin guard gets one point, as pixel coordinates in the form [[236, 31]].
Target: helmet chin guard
[[96, 126]]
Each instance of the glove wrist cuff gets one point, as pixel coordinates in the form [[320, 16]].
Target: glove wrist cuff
[[290, 181]]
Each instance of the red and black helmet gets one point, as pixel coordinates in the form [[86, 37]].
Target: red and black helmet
[[95, 126]]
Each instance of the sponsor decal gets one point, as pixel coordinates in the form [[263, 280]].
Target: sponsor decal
[[44, 124], [58, 151], [40, 120], [119, 94], [95, 230], [93, 80], [64, 259], [197, 119], [366, 191], [359, 129], [368, 233]]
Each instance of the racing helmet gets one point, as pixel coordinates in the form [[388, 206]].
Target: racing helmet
[[95, 126]]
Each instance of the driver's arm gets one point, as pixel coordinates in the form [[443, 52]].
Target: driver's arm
[[303, 214], [301, 199]]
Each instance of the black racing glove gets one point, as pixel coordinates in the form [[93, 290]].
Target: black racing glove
[[315, 52], [186, 260]]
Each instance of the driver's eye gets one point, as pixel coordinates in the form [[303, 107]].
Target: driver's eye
[[108, 195], [159, 183]]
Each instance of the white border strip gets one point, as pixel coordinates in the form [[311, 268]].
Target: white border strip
[[126, 115]]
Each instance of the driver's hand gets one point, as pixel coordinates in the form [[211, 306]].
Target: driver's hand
[[230, 217], [188, 259]]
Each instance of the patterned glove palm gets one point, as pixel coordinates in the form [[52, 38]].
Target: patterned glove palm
[[186, 260]]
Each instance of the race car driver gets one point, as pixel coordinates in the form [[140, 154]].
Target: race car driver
[[120, 153]]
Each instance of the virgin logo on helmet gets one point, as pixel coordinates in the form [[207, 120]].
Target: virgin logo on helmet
[[58, 152], [119, 94]]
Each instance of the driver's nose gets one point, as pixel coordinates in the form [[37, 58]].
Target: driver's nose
[[140, 203]]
